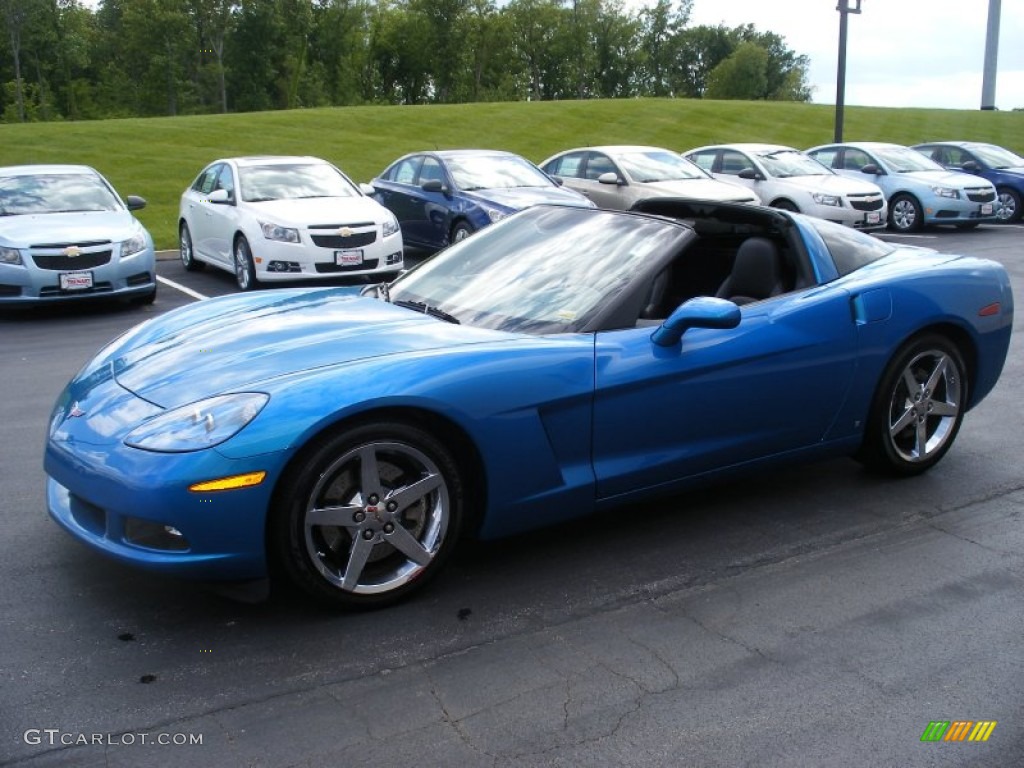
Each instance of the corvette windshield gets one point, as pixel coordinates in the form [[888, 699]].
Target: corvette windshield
[[903, 160], [495, 172], [292, 181], [784, 163], [649, 167], [545, 270], [55, 193]]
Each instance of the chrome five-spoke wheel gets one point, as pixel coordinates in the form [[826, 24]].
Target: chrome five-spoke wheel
[[372, 514], [919, 407]]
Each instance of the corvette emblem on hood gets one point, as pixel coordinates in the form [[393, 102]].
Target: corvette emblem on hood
[[74, 411]]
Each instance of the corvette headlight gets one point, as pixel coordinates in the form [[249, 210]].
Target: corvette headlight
[[833, 200], [277, 232], [493, 213], [133, 245], [200, 425], [390, 226], [947, 192]]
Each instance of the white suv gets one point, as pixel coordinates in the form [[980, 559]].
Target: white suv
[[786, 178]]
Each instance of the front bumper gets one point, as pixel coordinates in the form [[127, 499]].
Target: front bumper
[[29, 283], [278, 261], [135, 507]]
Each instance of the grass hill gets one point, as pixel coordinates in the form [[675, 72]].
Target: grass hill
[[158, 157]]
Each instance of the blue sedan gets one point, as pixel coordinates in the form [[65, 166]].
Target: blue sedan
[[562, 361], [996, 164], [442, 197], [65, 235], [919, 191]]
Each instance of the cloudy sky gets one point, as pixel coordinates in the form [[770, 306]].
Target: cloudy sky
[[900, 53]]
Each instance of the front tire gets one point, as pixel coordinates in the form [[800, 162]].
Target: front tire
[[460, 232], [245, 269], [186, 251], [786, 205], [369, 515], [1008, 205], [905, 214], [918, 407]]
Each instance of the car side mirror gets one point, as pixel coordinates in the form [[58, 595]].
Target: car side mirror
[[367, 189], [970, 167], [433, 185], [751, 175], [134, 202], [610, 178], [220, 197], [873, 169], [701, 312]]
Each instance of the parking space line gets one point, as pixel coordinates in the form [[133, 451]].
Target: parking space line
[[184, 289]]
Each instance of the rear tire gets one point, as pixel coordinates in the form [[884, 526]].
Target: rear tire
[[369, 515], [918, 407]]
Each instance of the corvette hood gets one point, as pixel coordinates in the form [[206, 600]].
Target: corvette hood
[[523, 197], [702, 189], [321, 210], [66, 228], [237, 342]]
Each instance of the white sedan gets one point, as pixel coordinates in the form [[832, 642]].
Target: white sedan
[[618, 176], [786, 178], [285, 218]]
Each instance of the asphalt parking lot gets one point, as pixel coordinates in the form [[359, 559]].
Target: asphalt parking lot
[[814, 616]]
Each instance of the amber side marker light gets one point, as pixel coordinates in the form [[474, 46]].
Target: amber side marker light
[[988, 311], [229, 483]]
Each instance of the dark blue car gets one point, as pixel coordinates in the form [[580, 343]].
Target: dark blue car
[[443, 197], [996, 164]]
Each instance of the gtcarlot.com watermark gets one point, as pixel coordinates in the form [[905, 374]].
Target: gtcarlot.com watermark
[[55, 737]]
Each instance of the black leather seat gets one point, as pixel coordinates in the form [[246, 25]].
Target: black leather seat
[[757, 273]]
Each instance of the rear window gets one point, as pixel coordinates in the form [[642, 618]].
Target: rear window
[[850, 249]]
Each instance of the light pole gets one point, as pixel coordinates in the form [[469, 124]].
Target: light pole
[[988, 83], [844, 9]]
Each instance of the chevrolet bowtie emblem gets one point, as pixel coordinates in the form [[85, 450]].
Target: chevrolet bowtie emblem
[[72, 251], [345, 232]]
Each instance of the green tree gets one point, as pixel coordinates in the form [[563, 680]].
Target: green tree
[[743, 75]]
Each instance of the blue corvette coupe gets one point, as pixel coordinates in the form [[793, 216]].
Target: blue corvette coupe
[[561, 361], [442, 197]]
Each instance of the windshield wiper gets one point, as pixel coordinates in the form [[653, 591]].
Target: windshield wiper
[[426, 309]]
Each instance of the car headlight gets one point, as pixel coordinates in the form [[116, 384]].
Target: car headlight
[[833, 200], [947, 192], [277, 232], [10, 256], [133, 245], [200, 425], [390, 226], [494, 214]]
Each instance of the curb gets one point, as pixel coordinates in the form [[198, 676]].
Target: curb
[[166, 255]]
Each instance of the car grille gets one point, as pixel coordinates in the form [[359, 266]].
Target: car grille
[[981, 195], [866, 204], [58, 261], [355, 240], [328, 268]]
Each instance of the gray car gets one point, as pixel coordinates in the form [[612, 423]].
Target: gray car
[[618, 176], [65, 234]]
